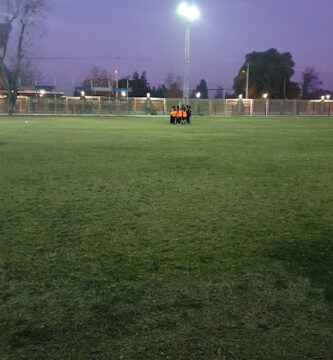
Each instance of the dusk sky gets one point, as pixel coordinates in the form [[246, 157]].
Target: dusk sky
[[149, 35]]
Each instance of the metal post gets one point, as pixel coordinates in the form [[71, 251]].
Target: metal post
[[186, 90], [117, 77], [247, 81], [284, 89], [127, 97], [55, 96]]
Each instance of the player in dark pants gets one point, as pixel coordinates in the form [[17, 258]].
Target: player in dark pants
[[179, 115], [184, 115], [173, 115], [189, 114]]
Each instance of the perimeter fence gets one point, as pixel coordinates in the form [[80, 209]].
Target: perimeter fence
[[156, 106]]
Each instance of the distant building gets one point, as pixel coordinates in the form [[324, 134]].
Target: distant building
[[41, 91]]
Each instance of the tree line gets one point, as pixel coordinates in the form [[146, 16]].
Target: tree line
[[269, 71], [139, 85]]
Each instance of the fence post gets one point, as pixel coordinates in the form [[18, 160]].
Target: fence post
[[281, 107], [164, 106], [266, 107], [251, 107], [322, 107], [210, 107], [295, 107]]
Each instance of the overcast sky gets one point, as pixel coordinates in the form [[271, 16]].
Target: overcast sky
[[149, 35]]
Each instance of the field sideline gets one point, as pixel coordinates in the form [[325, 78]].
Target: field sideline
[[129, 238]]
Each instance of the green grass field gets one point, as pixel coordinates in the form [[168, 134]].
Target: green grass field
[[128, 238]]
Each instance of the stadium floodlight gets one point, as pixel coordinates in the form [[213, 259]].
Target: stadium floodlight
[[190, 13], [123, 93], [322, 98], [265, 96], [240, 96], [148, 95], [198, 95], [83, 93], [328, 97]]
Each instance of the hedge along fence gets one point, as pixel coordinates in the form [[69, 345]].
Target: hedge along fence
[[156, 106]]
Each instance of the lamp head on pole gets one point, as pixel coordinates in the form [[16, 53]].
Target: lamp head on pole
[[189, 12]]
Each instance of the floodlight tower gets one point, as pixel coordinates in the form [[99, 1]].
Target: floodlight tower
[[189, 13]]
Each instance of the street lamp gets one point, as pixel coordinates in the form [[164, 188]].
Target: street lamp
[[123, 93], [198, 95], [189, 13], [328, 97]]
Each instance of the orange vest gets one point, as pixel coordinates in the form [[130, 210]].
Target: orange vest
[[173, 113], [184, 114], [179, 113]]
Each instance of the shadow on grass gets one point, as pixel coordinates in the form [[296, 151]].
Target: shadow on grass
[[311, 259]]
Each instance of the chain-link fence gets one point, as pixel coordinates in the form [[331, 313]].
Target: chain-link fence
[[154, 106]]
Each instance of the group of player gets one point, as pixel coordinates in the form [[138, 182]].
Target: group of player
[[180, 115]]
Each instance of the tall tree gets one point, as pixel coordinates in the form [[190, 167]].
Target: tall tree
[[30, 73], [174, 83], [270, 71], [139, 84], [18, 17], [160, 92], [98, 77], [311, 82], [202, 89], [220, 93]]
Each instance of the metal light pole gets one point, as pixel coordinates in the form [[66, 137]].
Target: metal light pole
[[190, 13], [186, 89]]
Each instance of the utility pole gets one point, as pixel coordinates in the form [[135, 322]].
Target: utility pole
[[247, 80]]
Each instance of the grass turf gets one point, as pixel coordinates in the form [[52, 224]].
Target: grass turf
[[127, 238]]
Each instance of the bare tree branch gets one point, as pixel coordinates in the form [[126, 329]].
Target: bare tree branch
[[19, 15]]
